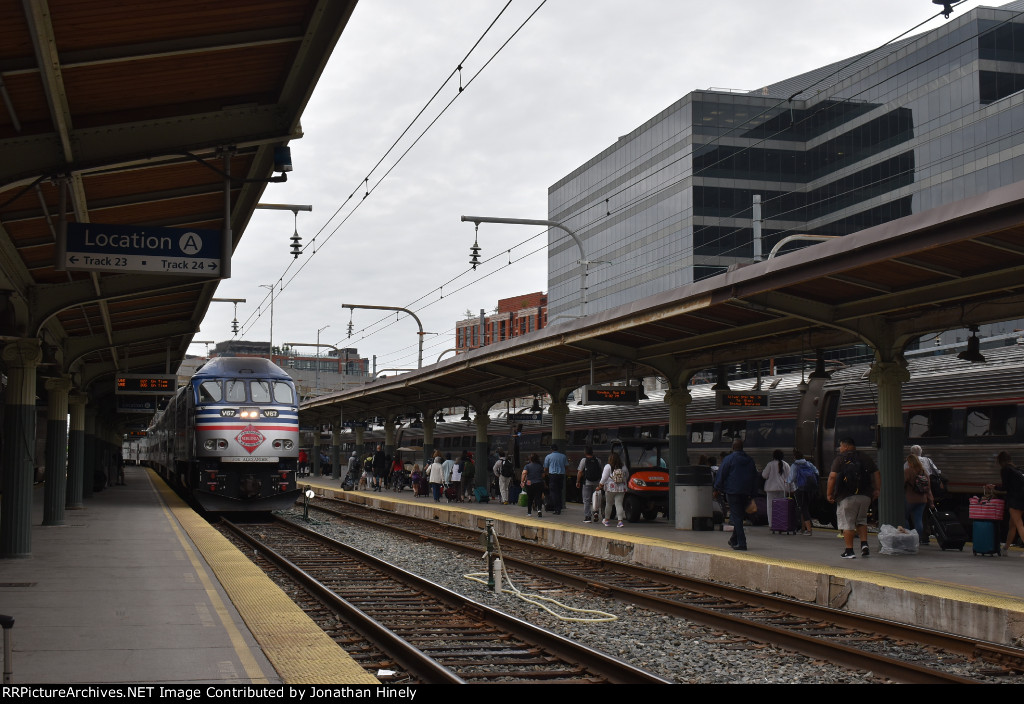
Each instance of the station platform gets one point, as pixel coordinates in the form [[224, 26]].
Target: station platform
[[136, 588], [953, 591]]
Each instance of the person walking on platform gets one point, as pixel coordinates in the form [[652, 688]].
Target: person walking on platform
[[1013, 485], [613, 483], [353, 469], [380, 468], [853, 483], [776, 480], [504, 471], [533, 480], [737, 477], [436, 474], [917, 492], [555, 463], [588, 477], [804, 476], [468, 473]]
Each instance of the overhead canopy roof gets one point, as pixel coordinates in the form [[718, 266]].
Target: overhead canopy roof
[[130, 102], [945, 268]]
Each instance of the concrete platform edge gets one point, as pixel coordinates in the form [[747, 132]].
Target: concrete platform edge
[[298, 649]]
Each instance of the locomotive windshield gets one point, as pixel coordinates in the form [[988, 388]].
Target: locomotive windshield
[[243, 391]]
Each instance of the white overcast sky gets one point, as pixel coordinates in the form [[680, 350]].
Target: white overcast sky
[[577, 76]]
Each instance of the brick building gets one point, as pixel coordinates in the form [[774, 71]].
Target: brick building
[[515, 316]]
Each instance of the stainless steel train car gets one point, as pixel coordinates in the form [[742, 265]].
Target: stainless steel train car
[[961, 413], [230, 437]]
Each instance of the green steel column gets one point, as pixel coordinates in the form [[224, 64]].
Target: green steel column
[[389, 438], [677, 400], [483, 471], [890, 377], [56, 450], [76, 451], [559, 410], [359, 444], [428, 437], [336, 451], [19, 428], [89, 466]]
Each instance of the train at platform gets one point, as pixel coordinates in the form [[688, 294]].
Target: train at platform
[[961, 413], [229, 438]]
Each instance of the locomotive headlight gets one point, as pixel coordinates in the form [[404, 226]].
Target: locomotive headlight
[[222, 444], [210, 444], [288, 444], [250, 413]]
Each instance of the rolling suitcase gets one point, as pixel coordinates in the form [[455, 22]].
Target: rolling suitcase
[[784, 516], [984, 538], [948, 531]]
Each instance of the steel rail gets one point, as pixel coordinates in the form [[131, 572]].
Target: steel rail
[[809, 645], [412, 659]]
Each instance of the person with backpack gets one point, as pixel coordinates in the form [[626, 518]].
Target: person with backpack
[[613, 483], [853, 483], [737, 479], [804, 476], [917, 492], [588, 477], [504, 471]]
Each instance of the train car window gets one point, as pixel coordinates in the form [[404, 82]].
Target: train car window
[[446, 443], [209, 392], [627, 431], [545, 440], [260, 391], [600, 437], [991, 421], [234, 391], [929, 423], [580, 437], [283, 392], [468, 441], [702, 433], [733, 430], [649, 432]]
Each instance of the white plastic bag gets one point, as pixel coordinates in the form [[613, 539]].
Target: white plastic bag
[[897, 541]]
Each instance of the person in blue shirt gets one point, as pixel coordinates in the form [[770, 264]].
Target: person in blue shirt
[[737, 479], [555, 464]]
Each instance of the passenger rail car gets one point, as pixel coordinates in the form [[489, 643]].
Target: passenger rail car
[[230, 437], [962, 415]]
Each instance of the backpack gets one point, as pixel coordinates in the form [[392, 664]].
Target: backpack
[[806, 477], [592, 470], [619, 477], [506, 468], [850, 475], [920, 484]]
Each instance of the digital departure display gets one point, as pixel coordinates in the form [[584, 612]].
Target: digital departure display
[[611, 395], [156, 384], [742, 399]]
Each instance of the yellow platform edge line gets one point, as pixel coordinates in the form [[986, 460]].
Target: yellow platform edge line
[[298, 649], [927, 587]]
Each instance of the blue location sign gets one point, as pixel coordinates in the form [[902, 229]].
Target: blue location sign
[[155, 250]]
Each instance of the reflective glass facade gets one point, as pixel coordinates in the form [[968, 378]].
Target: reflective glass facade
[[932, 119]]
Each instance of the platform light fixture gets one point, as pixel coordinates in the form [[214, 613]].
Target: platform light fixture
[[973, 351]]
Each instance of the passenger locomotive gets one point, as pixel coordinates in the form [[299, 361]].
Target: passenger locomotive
[[229, 438], [961, 413]]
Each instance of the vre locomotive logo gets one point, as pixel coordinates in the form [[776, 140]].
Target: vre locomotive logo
[[250, 438]]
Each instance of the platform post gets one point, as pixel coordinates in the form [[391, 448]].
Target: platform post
[[428, 435], [56, 450], [677, 400], [481, 456], [389, 438], [89, 455], [76, 451], [335, 451], [890, 377], [21, 356]]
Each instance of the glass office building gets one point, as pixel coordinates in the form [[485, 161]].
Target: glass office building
[[929, 120]]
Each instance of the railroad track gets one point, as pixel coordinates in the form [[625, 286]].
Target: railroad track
[[839, 637], [433, 634]]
